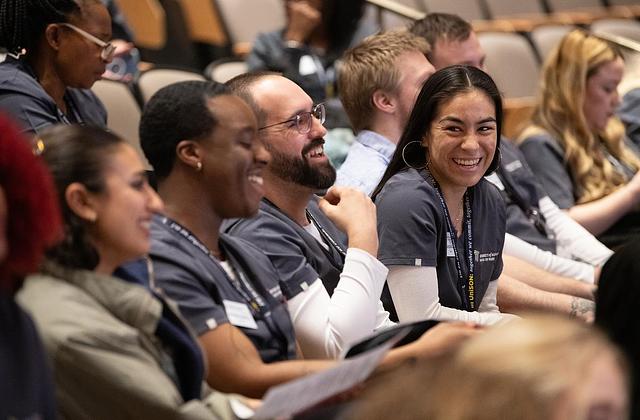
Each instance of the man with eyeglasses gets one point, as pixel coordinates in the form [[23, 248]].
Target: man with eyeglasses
[[302, 234], [56, 52]]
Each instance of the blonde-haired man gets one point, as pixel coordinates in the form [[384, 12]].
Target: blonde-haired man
[[378, 81]]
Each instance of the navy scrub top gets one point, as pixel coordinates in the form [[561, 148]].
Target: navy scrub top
[[200, 286], [412, 231]]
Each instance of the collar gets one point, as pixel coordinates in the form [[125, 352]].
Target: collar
[[130, 303], [377, 142]]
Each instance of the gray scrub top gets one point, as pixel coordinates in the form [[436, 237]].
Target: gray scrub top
[[545, 156], [298, 257], [200, 286], [412, 231], [25, 100], [519, 185]]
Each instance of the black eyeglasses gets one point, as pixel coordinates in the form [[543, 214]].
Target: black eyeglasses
[[304, 120]]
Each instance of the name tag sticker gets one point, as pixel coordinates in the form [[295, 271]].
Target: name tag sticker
[[239, 314], [450, 252]]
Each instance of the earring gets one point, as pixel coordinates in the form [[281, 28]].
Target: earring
[[198, 166], [404, 149]]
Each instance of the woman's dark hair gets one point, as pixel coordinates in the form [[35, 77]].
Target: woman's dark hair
[[441, 87], [22, 22], [341, 19], [76, 153], [176, 112], [616, 302], [33, 222]]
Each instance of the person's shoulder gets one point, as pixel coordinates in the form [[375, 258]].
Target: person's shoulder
[[63, 310], [242, 246], [13, 75], [485, 187], [490, 197], [269, 219], [168, 244], [406, 185], [541, 138]]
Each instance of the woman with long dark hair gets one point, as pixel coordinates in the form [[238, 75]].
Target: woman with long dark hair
[[441, 225], [118, 350]]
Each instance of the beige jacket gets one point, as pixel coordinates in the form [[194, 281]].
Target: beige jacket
[[108, 364]]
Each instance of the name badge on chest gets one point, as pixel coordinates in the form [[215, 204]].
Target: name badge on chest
[[239, 314], [450, 245]]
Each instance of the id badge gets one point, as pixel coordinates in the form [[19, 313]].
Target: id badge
[[239, 314], [450, 252]]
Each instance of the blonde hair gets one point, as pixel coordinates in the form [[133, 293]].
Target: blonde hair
[[527, 369], [370, 66], [559, 112]]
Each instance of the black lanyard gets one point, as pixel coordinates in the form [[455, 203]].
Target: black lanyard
[[469, 296], [325, 235], [71, 111], [243, 287]]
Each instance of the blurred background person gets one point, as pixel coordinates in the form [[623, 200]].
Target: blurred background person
[[57, 50], [542, 367], [29, 223], [307, 51], [576, 145], [615, 309]]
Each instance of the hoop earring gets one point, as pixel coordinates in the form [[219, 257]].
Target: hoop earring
[[404, 149]]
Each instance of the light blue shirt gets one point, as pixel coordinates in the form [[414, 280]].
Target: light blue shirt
[[366, 162]]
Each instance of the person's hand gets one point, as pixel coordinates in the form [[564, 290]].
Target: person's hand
[[303, 20], [444, 338], [355, 214]]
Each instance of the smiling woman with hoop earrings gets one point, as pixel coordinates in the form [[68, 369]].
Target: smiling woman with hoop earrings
[[441, 225]]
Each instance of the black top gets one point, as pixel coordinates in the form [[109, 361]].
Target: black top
[[26, 387]]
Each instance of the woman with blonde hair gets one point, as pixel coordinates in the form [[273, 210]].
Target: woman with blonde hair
[[576, 145], [541, 367]]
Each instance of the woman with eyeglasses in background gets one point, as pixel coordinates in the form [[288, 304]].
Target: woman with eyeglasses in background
[[57, 50]]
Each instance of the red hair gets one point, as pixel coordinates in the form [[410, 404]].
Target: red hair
[[33, 216]]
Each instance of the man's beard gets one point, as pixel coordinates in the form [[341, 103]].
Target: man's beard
[[298, 170]]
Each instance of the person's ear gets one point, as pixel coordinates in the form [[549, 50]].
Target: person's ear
[[53, 34], [189, 152], [383, 101], [81, 202]]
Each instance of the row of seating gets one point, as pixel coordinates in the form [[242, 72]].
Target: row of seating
[[513, 59], [192, 33]]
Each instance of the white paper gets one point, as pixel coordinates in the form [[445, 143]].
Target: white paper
[[301, 394]]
